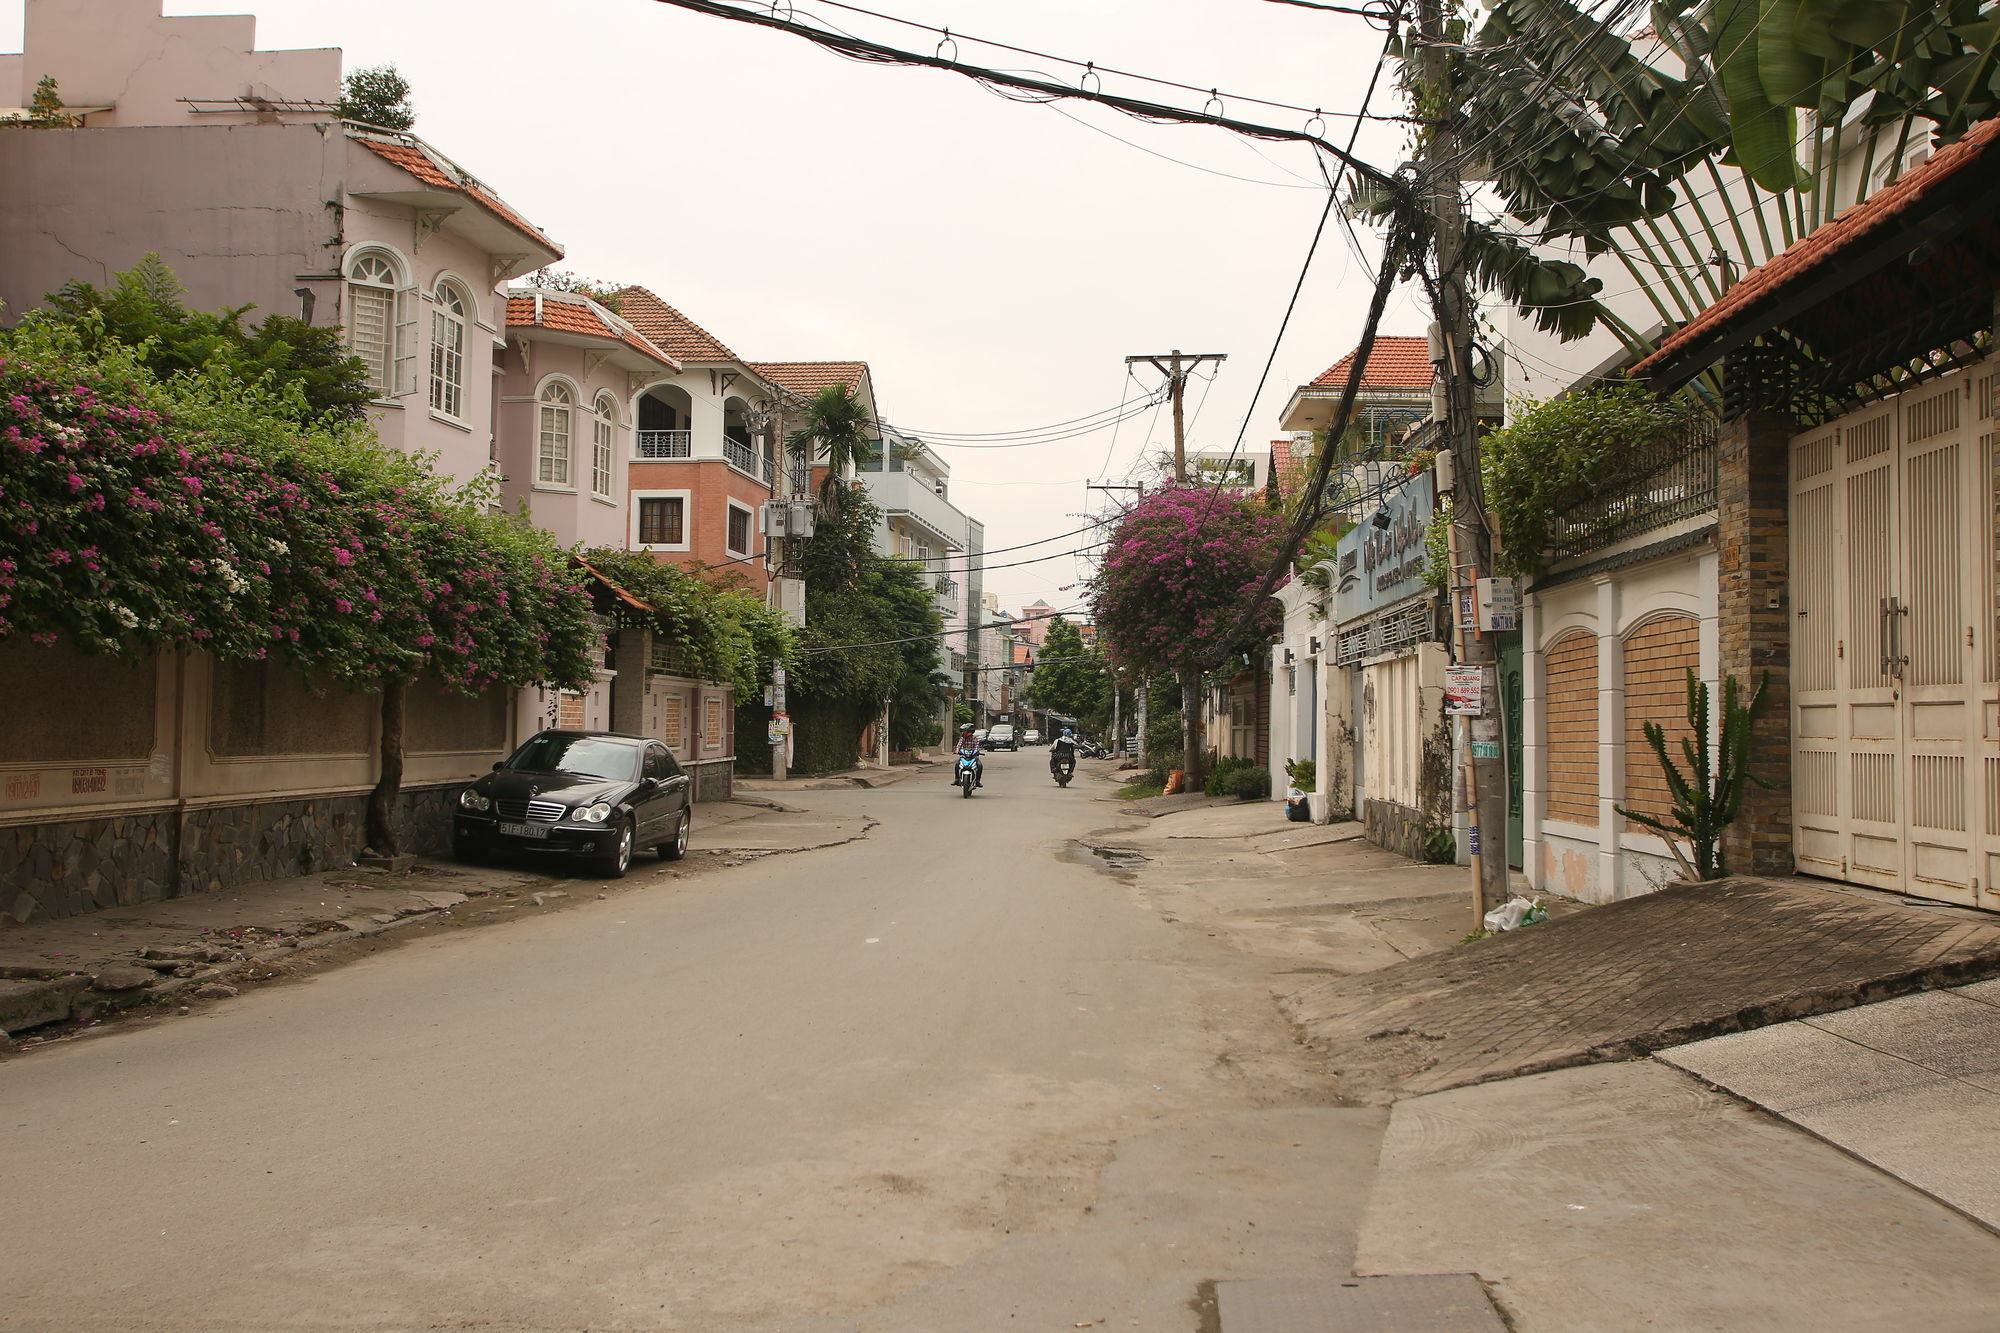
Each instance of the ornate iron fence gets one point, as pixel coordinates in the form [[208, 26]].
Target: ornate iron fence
[[1639, 490]]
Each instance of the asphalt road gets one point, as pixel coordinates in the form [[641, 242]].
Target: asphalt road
[[952, 1076]]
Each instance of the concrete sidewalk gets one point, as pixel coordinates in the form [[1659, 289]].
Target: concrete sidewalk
[[1632, 977], [1313, 899], [1611, 1191], [56, 975], [1909, 1085]]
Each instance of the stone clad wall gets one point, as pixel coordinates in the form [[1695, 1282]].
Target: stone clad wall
[[1754, 627], [67, 867]]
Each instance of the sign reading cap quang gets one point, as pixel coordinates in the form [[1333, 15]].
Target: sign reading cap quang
[[1381, 565]]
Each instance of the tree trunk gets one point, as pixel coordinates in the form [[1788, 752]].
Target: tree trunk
[[1193, 749], [382, 801]]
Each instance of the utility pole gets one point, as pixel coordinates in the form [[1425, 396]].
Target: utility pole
[[1176, 367], [1479, 736]]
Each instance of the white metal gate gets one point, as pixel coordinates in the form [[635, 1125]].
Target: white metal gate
[[1895, 524]]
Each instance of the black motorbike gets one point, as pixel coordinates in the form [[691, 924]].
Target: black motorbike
[[1062, 762]]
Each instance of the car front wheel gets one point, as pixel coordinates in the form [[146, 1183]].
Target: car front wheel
[[614, 864], [675, 850]]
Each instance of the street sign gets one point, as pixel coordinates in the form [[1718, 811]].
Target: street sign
[[1499, 605], [1465, 693]]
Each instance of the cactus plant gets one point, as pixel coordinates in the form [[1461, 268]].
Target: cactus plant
[[1708, 796]]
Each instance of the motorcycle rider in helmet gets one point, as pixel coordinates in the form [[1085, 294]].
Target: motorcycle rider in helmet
[[1062, 754], [969, 744]]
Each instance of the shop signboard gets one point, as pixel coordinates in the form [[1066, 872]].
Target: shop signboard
[[1381, 559]]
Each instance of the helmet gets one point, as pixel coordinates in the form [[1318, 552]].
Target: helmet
[[1068, 732], [965, 728]]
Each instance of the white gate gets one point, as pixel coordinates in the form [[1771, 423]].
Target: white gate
[[1895, 523]]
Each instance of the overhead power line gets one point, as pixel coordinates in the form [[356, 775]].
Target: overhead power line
[[944, 633], [1044, 90], [1092, 68]]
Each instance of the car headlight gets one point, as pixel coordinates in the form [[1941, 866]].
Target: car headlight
[[472, 800], [593, 814]]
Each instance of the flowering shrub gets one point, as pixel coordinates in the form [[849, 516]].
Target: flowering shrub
[[726, 633], [140, 513], [1176, 577]]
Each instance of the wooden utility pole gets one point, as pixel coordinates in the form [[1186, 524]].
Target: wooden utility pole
[[1176, 367], [1483, 767]]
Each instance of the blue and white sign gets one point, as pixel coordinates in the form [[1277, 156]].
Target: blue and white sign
[[1382, 559]]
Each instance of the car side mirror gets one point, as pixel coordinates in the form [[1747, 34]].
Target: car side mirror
[[499, 764]]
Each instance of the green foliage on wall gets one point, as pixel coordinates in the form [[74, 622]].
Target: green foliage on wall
[[1550, 457], [726, 634], [145, 512], [143, 309]]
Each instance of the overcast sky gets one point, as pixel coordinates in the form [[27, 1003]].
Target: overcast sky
[[993, 262]]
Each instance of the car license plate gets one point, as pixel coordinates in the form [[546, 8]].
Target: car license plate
[[524, 830]]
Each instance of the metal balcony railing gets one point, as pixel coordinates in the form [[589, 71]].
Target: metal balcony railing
[[770, 473], [1641, 489], [741, 456], [665, 443]]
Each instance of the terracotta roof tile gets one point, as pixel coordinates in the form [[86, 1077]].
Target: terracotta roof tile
[[809, 377], [1289, 462], [576, 317], [432, 168], [1396, 362], [1879, 210], [676, 334]]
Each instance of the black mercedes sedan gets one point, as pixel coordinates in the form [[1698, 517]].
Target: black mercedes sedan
[[595, 795]]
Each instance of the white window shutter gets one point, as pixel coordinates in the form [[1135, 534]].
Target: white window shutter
[[408, 308]]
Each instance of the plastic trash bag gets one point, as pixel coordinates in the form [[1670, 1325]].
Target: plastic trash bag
[[1516, 912]]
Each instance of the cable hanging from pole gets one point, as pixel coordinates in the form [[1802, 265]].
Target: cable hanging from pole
[[1042, 89]]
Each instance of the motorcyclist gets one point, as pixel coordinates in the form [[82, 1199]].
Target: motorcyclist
[[1062, 752], [969, 744]]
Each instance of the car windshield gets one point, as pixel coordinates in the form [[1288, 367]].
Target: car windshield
[[582, 756]]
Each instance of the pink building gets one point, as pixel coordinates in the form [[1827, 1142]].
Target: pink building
[[254, 192]]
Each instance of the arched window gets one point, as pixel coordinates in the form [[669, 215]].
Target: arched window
[[557, 412], [603, 431], [374, 283], [448, 320]]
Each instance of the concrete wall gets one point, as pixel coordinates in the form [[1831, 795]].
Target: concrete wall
[[187, 774], [122, 53], [1606, 857], [575, 513], [250, 215]]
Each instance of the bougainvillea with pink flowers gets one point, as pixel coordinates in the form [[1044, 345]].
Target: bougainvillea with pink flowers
[[1179, 568], [139, 514]]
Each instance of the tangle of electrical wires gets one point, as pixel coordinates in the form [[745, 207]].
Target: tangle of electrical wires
[[1332, 199], [1023, 88], [1381, 14]]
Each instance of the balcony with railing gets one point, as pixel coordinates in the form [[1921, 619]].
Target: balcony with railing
[[1640, 490], [743, 456], [654, 444]]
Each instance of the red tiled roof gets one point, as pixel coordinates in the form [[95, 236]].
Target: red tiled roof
[[676, 334], [809, 377], [436, 170], [1288, 465], [1396, 362], [623, 595], [576, 317], [1850, 228]]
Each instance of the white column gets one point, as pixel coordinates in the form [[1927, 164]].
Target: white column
[[1610, 739], [1533, 752]]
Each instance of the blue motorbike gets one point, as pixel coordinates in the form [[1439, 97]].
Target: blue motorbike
[[966, 775]]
